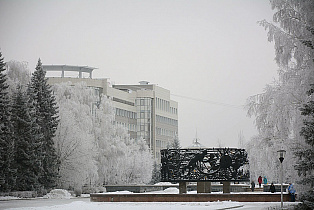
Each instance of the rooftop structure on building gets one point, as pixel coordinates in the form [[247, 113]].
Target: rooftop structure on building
[[196, 143], [65, 68], [145, 109]]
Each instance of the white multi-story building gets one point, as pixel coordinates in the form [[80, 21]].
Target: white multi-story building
[[146, 110]]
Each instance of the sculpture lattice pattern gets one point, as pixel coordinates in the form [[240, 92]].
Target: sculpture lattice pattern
[[216, 164]]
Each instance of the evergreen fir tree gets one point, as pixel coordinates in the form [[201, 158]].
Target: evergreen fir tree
[[7, 171], [176, 143], [156, 174], [38, 138], [305, 164], [25, 135], [46, 114]]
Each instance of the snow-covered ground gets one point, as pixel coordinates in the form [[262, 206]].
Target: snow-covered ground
[[60, 199], [84, 204]]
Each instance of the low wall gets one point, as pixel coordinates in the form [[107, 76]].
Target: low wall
[[137, 188], [190, 187], [247, 197]]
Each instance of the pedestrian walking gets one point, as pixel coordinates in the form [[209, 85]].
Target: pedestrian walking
[[260, 180]]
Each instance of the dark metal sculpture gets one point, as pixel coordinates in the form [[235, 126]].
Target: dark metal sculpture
[[216, 164]]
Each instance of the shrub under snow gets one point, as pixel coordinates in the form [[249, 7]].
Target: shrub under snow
[[58, 193]]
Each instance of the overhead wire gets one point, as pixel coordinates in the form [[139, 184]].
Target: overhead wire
[[210, 102]]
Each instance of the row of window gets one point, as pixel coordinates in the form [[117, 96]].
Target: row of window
[[146, 128], [133, 127], [143, 102], [125, 113], [165, 132], [164, 105], [143, 115], [166, 120], [128, 126], [161, 144]]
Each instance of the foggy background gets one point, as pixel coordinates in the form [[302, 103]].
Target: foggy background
[[212, 55]]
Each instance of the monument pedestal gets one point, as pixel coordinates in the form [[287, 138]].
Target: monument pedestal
[[226, 187], [182, 187], [204, 187]]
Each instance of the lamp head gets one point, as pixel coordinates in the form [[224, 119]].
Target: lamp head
[[281, 155]]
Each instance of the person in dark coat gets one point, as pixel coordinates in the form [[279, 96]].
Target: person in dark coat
[[272, 188], [260, 180], [252, 186]]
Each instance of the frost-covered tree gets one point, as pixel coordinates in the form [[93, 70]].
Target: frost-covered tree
[[7, 172], [110, 145], [277, 110], [25, 132], [141, 165], [292, 32], [93, 150], [46, 114], [121, 160], [18, 75], [74, 141], [263, 159]]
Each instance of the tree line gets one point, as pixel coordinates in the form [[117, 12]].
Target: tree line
[[63, 136], [28, 121]]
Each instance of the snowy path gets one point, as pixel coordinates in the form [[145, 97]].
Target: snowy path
[[84, 204], [30, 203]]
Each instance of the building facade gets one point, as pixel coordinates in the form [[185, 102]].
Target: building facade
[[145, 110]]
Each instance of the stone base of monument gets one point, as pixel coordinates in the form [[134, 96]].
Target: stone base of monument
[[204, 197]]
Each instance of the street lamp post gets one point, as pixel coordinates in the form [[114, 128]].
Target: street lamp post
[[281, 155]]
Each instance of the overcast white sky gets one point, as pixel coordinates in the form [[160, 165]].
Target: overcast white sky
[[211, 50]]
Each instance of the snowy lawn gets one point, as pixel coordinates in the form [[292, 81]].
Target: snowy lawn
[[61, 199], [80, 205]]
